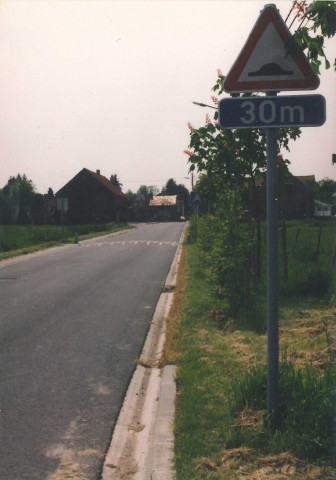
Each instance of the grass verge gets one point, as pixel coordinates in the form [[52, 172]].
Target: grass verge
[[22, 239], [220, 427]]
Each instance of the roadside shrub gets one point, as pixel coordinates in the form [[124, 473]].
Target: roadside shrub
[[226, 244], [208, 231]]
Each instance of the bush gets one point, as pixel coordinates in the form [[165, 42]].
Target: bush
[[226, 245]]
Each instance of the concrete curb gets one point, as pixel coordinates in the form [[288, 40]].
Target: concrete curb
[[147, 452], [163, 442]]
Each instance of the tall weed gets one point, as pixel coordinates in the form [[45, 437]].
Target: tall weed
[[306, 411]]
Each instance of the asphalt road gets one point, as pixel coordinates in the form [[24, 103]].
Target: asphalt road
[[73, 321]]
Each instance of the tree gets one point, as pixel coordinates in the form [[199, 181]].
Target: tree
[[3, 208], [37, 209], [11, 198], [115, 181], [324, 189], [205, 187], [172, 188], [19, 194], [147, 191], [131, 196]]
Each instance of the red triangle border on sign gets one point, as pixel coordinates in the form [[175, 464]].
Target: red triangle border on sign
[[232, 84]]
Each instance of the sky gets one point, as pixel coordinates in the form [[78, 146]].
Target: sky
[[110, 85]]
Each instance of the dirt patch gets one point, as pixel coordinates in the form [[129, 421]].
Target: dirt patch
[[136, 427], [244, 464], [71, 465], [235, 454], [303, 358], [239, 347], [170, 354], [251, 418], [309, 337], [316, 330], [208, 348], [205, 464], [203, 332]]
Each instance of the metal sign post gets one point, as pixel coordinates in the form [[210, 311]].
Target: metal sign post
[[62, 205], [272, 273]]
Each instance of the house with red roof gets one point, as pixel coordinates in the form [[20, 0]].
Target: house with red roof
[[92, 198]]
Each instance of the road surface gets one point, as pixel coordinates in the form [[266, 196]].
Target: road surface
[[73, 321]]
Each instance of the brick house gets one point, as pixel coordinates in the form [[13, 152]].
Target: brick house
[[92, 198]]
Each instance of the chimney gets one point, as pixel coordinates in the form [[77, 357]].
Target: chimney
[[98, 172]]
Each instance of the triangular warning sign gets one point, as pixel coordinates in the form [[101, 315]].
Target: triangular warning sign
[[264, 63]]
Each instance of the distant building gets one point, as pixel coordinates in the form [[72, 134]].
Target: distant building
[[166, 208], [322, 209], [92, 198], [139, 210], [295, 196]]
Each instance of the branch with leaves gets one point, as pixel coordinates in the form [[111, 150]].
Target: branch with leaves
[[317, 21]]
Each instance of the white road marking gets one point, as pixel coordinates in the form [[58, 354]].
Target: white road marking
[[134, 242]]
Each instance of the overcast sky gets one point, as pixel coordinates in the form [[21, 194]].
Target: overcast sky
[[109, 85]]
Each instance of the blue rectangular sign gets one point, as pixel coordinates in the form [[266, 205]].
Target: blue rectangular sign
[[272, 111], [196, 198]]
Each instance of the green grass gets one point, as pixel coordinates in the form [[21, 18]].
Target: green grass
[[18, 239], [221, 428]]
